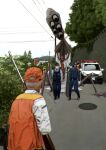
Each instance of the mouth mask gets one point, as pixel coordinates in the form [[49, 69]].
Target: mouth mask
[[57, 68]]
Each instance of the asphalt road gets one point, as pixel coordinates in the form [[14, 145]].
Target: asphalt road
[[74, 128]]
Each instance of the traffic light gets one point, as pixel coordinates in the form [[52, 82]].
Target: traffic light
[[54, 21]]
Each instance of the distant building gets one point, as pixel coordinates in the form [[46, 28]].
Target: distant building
[[41, 62]]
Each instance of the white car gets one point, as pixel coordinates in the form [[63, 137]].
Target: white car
[[91, 67]]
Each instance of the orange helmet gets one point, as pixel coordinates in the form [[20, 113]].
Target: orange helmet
[[33, 74]]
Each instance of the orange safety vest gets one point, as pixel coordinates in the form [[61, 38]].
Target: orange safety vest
[[23, 131]]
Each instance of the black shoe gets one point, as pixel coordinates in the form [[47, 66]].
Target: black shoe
[[55, 98], [69, 98], [58, 96], [78, 98]]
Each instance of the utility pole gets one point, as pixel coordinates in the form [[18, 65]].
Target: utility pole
[[55, 47], [49, 64], [49, 57]]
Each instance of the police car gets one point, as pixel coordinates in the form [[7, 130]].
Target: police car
[[91, 67]]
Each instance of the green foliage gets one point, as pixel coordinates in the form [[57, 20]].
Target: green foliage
[[10, 86], [24, 61], [83, 24], [10, 83], [53, 62], [100, 10]]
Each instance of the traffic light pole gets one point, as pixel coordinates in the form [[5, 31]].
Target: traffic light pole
[[55, 47]]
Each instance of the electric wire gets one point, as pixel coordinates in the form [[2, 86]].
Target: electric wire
[[44, 3], [38, 2], [34, 17], [30, 41], [8, 33], [37, 7], [40, 5]]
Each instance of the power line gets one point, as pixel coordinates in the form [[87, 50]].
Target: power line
[[6, 33], [44, 3], [31, 41], [37, 7], [40, 5], [33, 17], [38, 2]]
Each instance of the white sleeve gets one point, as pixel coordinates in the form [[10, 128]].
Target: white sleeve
[[41, 115]]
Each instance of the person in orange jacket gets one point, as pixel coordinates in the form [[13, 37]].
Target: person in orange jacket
[[29, 118]]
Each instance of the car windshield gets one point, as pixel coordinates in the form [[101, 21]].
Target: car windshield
[[90, 67]]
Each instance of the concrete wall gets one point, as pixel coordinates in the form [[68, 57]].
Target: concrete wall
[[98, 52]]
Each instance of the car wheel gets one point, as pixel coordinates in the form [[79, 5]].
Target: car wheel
[[101, 82]]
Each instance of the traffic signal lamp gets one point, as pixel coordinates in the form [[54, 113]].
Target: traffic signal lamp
[[54, 22], [55, 18]]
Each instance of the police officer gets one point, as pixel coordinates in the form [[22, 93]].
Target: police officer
[[73, 79], [56, 82]]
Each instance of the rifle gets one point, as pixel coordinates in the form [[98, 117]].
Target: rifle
[[46, 138]]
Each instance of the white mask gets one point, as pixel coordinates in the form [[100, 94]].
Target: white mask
[[57, 68]]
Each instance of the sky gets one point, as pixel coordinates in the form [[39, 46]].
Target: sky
[[23, 26]]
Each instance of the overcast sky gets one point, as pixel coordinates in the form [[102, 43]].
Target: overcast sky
[[23, 26]]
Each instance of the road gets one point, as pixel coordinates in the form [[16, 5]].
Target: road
[[78, 129], [74, 128]]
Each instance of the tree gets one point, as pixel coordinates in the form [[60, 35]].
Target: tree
[[100, 10], [10, 83], [83, 24], [10, 87], [24, 60]]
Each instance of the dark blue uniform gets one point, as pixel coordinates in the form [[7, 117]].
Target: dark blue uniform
[[73, 78], [56, 84]]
